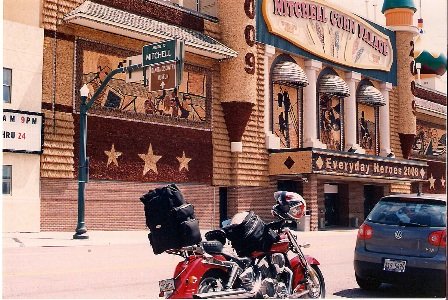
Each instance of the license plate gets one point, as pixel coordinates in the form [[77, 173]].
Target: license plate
[[166, 285], [393, 265]]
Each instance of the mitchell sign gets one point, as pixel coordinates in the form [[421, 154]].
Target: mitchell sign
[[329, 32]]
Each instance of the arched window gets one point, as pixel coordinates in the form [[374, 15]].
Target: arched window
[[331, 90], [287, 81], [368, 100]]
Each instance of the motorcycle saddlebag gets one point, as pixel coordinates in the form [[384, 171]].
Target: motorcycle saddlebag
[[170, 219], [159, 203], [164, 238], [250, 235]]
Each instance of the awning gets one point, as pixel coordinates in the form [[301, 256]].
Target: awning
[[430, 108], [109, 19], [333, 85], [289, 73], [369, 95]]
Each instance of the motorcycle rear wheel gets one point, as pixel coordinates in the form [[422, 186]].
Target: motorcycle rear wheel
[[212, 281]]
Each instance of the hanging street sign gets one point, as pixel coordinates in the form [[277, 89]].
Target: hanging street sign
[[164, 76], [160, 52], [166, 62]]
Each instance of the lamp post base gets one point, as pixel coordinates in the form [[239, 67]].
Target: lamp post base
[[80, 236]]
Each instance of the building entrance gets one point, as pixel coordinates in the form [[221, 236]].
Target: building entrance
[[372, 195], [331, 204]]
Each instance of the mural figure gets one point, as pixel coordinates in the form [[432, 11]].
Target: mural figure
[[366, 136], [430, 141], [330, 123], [282, 124], [134, 97]]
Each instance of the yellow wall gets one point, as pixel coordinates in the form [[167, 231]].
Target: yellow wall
[[22, 11], [21, 209]]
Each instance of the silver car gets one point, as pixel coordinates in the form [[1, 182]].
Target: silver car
[[403, 241]]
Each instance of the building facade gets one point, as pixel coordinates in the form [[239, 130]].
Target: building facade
[[22, 118], [275, 95], [430, 100]]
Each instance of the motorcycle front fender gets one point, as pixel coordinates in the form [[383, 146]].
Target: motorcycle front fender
[[188, 274], [298, 268]]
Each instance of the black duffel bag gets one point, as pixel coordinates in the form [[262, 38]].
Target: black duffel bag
[[250, 235], [170, 219]]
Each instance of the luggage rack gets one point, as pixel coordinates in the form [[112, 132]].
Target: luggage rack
[[187, 251]]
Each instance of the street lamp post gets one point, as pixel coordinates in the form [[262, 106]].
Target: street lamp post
[[81, 230]]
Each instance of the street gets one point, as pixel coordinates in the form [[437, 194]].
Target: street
[[128, 269]]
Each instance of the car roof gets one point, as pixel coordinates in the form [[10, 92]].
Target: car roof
[[440, 197]]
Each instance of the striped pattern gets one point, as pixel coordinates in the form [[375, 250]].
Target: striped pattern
[[289, 73], [430, 106], [138, 24], [333, 85], [369, 95]]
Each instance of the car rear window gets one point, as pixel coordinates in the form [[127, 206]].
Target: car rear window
[[408, 211]]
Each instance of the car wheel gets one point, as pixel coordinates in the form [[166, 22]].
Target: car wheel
[[367, 284]]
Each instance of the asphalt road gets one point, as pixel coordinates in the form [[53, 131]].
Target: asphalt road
[[132, 271]]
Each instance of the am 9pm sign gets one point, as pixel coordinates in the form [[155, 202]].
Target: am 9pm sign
[[22, 131]]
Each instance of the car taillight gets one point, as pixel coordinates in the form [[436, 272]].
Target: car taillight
[[438, 238], [365, 232]]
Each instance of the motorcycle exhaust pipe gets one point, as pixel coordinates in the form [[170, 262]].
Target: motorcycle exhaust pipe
[[233, 294]]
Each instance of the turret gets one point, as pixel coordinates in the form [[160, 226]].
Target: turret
[[399, 18], [432, 62]]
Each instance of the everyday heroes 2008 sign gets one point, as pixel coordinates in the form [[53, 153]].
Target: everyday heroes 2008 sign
[[329, 32], [364, 167]]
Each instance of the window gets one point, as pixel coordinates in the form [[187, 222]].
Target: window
[[7, 182], [7, 80]]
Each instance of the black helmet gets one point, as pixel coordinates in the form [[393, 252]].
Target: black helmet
[[289, 205]]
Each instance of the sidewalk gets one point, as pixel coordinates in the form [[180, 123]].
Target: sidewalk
[[65, 239], [107, 238]]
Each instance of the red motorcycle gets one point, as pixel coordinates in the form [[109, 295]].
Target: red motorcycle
[[276, 269]]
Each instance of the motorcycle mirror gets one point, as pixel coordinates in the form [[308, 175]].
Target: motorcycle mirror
[[307, 245]]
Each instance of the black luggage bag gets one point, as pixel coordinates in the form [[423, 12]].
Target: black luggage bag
[[250, 235], [170, 219]]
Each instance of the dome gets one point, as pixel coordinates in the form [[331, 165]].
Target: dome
[[432, 61], [390, 4]]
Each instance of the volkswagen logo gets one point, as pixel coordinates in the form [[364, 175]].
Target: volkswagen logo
[[398, 234]]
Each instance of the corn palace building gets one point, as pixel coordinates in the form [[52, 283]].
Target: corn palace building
[[276, 95]]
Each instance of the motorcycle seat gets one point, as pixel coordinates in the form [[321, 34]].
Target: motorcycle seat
[[212, 247]]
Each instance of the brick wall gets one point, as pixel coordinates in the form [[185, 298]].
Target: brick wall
[[258, 199], [115, 205], [313, 193], [356, 201]]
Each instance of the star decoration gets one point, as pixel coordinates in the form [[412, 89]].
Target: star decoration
[[112, 156], [443, 181], [431, 182], [183, 161], [150, 161]]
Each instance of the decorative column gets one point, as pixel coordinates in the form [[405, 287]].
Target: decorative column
[[238, 75], [384, 126], [350, 113], [399, 18], [310, 138], [272, 141]]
